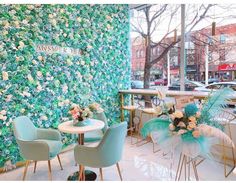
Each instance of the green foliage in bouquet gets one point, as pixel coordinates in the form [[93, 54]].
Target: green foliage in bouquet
[[193, 126], [213, 105]]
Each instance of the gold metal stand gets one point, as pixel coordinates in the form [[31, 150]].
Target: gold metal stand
[[186, 161]]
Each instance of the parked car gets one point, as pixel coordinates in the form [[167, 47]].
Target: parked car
[[136, 84], [161, 82], [216, 86], [189, 85], [211, 80]]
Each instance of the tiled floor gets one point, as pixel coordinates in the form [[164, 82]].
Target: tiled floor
[[138, 164]]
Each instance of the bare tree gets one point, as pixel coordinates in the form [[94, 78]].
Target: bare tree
[[150, 19]]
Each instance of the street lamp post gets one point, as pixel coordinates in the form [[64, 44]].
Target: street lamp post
[[182, 49], [206, 65]]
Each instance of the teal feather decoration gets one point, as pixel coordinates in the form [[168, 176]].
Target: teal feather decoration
[[190, 110], [155, 125], [216, 102]]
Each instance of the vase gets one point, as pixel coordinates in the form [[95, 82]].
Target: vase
[[78, 123]]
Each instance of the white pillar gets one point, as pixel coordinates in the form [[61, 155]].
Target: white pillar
[[182, 49], [168, 68], [206, 65]]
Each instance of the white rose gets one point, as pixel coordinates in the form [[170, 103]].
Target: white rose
[[40, 58], [82, 62], [3, 117], [50, 15], [30, 78], [21, 44], [25, 22], [39, 88], [22, 110], [60, 104], [8, 98], [69, 62], [44, 118], [5, 32], [3, 112], [34, 62], [181, 131], [27, 94], [4, 75], [178, 114], [89, 47], [79, 19], [171, 127], [64, 88], [67, 101], [39, 74]]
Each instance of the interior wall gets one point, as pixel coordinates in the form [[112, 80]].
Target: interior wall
[[85, 58]]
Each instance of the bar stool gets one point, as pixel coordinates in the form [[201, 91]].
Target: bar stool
[[225, 118], [153, 111], [131, 110]]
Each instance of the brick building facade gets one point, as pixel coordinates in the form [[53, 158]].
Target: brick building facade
[[221, 55]]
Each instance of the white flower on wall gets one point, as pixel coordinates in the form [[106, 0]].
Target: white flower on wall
[[4, 75]]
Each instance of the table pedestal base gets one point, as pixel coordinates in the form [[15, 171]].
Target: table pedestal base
[[89, 175]]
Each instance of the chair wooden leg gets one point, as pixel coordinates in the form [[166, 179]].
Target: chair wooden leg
[[80, 172], [26, 167], [118, 168], [100, 169], [35, 164], [83, 173], [58, 157], [49, 170]]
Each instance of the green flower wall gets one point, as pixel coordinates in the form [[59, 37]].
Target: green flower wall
[[43, 86]]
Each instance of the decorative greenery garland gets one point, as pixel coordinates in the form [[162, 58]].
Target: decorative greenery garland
[[43, 85]]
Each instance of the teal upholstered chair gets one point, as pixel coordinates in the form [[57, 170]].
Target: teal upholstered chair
[[107, 153], [36, 144], [97, 135]]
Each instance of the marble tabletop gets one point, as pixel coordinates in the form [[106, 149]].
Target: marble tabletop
[[93, 124]]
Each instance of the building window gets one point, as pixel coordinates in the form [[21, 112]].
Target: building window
[[210, 41], [222, 54], [137, 53], [210, 56], [222, 39], [141, 53]]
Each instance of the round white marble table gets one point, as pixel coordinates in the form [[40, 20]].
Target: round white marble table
[[91, 125]]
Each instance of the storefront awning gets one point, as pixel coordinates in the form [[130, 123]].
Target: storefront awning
[[227, 67]]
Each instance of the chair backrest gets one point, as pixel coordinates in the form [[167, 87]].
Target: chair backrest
[[111, 146], [182, 101], [24, 129], [101, 116]]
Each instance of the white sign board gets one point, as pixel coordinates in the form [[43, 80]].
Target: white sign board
[[57, 49]]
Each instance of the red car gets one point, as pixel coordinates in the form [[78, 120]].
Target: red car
[[161, 82]]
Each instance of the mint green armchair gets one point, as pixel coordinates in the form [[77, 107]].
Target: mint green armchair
[[35, 143], [107, 153], [97, 134]]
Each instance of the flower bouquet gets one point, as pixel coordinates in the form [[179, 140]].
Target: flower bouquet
[[192, 132], [80, 115], [98, 113], [96, 108]]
